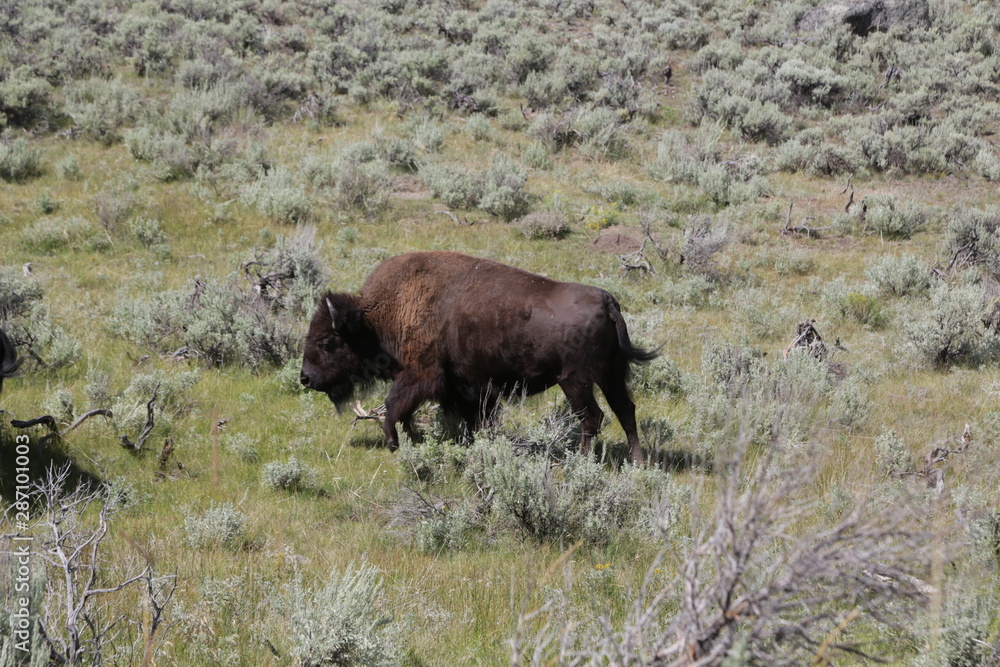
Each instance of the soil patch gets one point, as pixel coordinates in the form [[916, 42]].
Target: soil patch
[[614, 242]]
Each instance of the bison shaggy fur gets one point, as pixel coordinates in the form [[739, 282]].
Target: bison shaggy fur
[[464, 332], [9, 362]]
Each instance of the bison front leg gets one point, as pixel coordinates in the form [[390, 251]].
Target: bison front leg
[[405, 396]]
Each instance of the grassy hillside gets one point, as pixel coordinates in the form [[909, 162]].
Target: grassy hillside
[[179, 181]]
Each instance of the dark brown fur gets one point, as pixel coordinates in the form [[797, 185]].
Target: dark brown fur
[[9, 362], [464, 331]]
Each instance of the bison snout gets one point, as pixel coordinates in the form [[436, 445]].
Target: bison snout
[[305, 380]]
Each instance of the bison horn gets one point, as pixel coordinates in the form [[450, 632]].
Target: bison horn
[[336, 318]]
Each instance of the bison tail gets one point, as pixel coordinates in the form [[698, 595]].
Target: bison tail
[[9, 362], [631, 352]]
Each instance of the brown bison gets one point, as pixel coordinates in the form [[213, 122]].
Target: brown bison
[[465, 331], [9, 363]]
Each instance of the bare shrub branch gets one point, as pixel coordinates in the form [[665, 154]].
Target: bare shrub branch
[[77, 619], [764, 577]]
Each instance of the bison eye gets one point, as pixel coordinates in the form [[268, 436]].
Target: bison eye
[[328, 344]]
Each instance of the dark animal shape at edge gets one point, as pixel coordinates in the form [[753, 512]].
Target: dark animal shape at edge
[[9, 361], [466, 332]]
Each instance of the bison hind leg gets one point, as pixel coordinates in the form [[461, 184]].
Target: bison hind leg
[[580, 395], [615, 388]]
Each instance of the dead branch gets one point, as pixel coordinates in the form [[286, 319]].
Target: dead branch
[[71, 548], [931, 471], [893, 574], [102, 412], [802, 227], [809, 338], [376, 413], [147, 428], [646, 223], [755, 575], [48, 420], [635, 261], [849, 187], [159, 592], [455, 218], [168, 449]]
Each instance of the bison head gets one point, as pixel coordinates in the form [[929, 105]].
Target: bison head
[[342, 352]]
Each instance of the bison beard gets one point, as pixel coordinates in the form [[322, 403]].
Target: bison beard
[[466, 331], [9, 362]]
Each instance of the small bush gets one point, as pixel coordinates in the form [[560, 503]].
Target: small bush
[[850, 405], [364, 186], [400, 153], [599, 216], [763, 122], [24, 97], [292, 475], [601, 134], [68, 168], [98, 388], [660, 376], [51, 235], [758, 313], [339, 622], [219, 323], [577, 500], [704, 237], [280, 197], [951, 329], [432, 459], [544, 225], [60, 404], [30, 325], [223, 325], [691, 291], [731, 368], [973, 237], [101, 107], [900, 276], [454, 186], [425, 132], [219, 526], [478, 127], [241, 446], [537, 156], [46, 204], [891, 453], [883, 215], [19, 162], [513, 121], [292, 273], [810, 152], [447, 529], [129, 407], [503, 189], [287, 377], [150, 235], [114, 204], [864, 309]]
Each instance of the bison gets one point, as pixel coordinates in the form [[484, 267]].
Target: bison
[[9, 362], [465, 331]]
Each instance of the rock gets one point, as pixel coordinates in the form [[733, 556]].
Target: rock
[[867, 16]]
